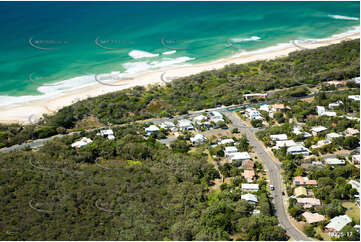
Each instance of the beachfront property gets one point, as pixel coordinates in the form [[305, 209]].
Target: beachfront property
[[300, 191], [334, 161], [247, 187], [313, 217], [316, 130], [303, 181], [248, 175], [251, 198], [354, 97], [198, 139], [83, 142], [151, 129], [229, 150], [284, 143], [309, 202], [278, 137], [333, 135], [298, 150], [185, 124], [338, 223]]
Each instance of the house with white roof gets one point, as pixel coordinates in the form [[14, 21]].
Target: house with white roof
[[321, 143], [335, 104], [247, 187], [251, 198], [229, 150], [216, 114], [199, 119], [351, 132], [334, 161], [297, 130], [239, 156], [333, 135], [355, 184], [329, 114], [309, 202], [83, 142], [320, 110], [354, 97], [356, 80], [151, 129], [298, 150], [185, 124], [313, 217], [264, 107], [107, 132], [316, 130], [285, 143], [226, 141], [338, 223], [253, 114], [198, 139], [276, 137], [168, 125]]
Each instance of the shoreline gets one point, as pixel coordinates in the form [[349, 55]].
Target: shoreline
[[30, 111]]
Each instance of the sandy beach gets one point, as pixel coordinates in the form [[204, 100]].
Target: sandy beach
[[30, 111]]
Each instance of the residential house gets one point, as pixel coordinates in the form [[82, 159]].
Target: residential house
[[185, 124], [251, 198], [308, 202], [253, 114], [248, 187], [320, 110], [338, 223], [226, 141], [298, 150], [300, 191], [265, 108], [248, 175], [297, 130], [254, 96], [83, 142], [351, 132], [313, 217], [331, 136], [108, 133], [229, 150], [317, 163], [354, 97], [336, 83], [355, 184], [238, 157], [316, 130], [279, 107], [285, 143], [334, 161], [303, 181], [151, 129], [356, 159], [329, 114], [321, 143], [198, 139], [335, 104], [199, 119], [247, 164], [168, 125], [356, 80], [278, 137]]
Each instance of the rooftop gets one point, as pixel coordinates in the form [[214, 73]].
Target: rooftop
[[313, 217], [337, 223]]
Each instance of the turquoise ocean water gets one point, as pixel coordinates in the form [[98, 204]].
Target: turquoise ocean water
[[48, 42]]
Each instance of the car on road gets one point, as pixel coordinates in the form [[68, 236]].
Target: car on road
[[272, 187]]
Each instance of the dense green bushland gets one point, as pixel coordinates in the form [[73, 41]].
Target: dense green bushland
[[207, 89]]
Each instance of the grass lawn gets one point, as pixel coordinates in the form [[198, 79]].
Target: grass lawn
[[323, 234], [354, 213]]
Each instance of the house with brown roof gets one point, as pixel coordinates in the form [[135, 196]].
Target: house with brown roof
[[313, 217], [303, 181], [247, 164], [249, 175], [279, 107], [309, 202]]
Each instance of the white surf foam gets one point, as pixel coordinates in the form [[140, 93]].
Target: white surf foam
[[342, 17], [137, 54], [169, 52], [253, 38]]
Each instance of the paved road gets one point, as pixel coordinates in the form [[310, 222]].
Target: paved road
[[275, 177]]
